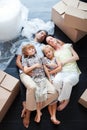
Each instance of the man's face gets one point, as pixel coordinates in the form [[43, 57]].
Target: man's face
[[40, 36]]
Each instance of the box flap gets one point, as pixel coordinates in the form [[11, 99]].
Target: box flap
[[76, 13], [4, 95], [2, 75], [9, 82], [60, 7], [84, 95], [73, 3], [82, 6]]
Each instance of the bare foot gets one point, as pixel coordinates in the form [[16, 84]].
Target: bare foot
[[26, 122], [55, 121], [23, 113], [26, 119], [38, 117], [62, 105]]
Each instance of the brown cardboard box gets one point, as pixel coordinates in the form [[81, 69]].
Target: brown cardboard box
[[76, 15], [9, 88], [72, 3], [83, 99], [58, 13]]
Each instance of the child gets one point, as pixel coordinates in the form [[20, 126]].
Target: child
[[51, 65], [34, 64]]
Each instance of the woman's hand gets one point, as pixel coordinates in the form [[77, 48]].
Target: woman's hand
[[62, 64]]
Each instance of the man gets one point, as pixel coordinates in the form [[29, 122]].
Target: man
[[26, 80]]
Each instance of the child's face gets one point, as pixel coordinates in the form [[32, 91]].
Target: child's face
[[49, 53], [30, 51]]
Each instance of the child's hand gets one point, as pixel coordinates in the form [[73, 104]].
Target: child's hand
[[51, 81], [37, 65], [52, 65]]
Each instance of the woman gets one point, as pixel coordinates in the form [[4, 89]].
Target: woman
[[69, 75]]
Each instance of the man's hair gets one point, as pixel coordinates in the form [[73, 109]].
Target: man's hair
[[40, 31]]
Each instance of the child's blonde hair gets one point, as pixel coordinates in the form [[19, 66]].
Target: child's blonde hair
[[28, 46], [46, 47]]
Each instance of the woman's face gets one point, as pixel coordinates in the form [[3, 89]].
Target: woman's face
[[51, 41]]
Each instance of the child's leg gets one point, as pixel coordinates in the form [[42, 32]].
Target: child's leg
[[52, 111], [38, 115], [26, 119]]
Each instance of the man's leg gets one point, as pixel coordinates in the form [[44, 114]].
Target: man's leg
[[23, 98], [30, 93], [26, 119], [27, 81], [30, 98], [29, 103]]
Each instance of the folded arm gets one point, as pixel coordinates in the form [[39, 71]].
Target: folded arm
[[74, 57], [57, 69]]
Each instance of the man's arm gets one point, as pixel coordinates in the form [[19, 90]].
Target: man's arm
[[19, 62]]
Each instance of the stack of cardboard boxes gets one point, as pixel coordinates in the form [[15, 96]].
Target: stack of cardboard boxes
[[71, 17], [9, 88]]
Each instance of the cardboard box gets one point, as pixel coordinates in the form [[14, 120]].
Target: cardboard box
[[83, 99], [72, 3], [76, 15], [58, 13], [9, 88]]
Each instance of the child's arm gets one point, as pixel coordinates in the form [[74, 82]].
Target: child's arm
[[52, 65], [29, 69], [57, 69], [46, 71]]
